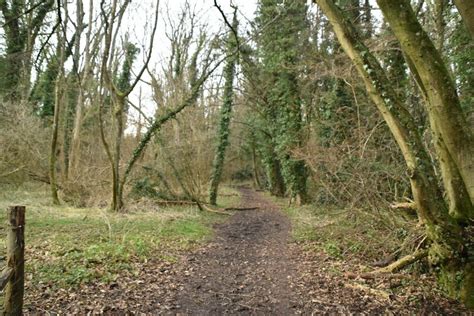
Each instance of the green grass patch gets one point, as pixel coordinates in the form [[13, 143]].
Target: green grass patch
[[66, 246]]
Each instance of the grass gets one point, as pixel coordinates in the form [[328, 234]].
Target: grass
[[67, 246], [344, 234]]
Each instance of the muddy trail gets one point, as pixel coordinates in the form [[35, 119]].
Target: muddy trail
[[251, 267]]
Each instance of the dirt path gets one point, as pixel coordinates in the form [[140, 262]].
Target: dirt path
[[246, 269]]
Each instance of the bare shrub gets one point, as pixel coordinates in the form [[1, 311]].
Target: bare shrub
[[24, 144]]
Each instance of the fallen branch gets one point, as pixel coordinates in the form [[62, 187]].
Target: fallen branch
[[206, 208], [202, 206], [383, 294], [11, 172], [403, 262], [407, 208], [174, 203], [241, 208]]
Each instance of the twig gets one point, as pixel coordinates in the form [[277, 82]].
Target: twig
[[227, 22]]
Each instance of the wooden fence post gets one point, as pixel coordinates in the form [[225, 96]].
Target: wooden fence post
[[13, 304]]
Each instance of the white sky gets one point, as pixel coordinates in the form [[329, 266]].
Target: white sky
[[139, 21]]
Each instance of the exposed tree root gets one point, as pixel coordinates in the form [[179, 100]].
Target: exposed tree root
[[403, 262]]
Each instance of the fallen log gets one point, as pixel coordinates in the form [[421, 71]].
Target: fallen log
[[222, 212], [403, 262], [175, 203], [241, 208]]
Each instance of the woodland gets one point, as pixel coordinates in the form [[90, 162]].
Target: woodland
[[172, 166]]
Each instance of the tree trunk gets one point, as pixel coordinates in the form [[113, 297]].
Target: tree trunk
[[76, 132], [444, 107], [466, 9], [54, 140], [225, 115], [256, 175], [275, 178], [460, 206], [117, 190], [448, 248]]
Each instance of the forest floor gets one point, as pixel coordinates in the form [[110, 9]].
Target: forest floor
[[252, 266]]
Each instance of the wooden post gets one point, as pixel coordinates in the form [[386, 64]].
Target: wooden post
[[13, 304]]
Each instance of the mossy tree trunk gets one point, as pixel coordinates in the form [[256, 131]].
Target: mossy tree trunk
[[443, 106], [448, 248], [460, 205], [466, 9], [225, 114]]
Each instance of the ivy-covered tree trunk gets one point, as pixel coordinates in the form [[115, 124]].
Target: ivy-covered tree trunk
[[275, 178], [225, 114], [448, 248], [460, 205], [279, 46]]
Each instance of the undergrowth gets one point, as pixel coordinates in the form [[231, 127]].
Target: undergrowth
[[67, 246], [363, 235]]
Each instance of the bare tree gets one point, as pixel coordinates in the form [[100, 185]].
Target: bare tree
[[112, 21]]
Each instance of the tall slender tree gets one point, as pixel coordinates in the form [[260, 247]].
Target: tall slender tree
[[226, 111]]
